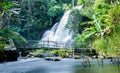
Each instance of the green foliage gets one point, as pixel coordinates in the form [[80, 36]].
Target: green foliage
[[97, 24], [38, 52], [36, 16], [107, 46], [16, 37], [100, 45], [101, 8], [6, 4], [52, 3], [88, 8], [104, 29], [74, 19], [56, 52], [53, 52], [7, 9], [55, 10], [80, 2], [113, 45], [2, 43], [84, 40], [114, 16], [113, 38], [62, 52], [66, 6], [89, 34]]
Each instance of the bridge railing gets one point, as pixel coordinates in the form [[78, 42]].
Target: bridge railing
[[47, 44]]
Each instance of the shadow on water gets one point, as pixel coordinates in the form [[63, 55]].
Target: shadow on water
[[107, 68], [38, 70]]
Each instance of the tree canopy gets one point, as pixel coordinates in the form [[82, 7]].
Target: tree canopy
[[97, 25]]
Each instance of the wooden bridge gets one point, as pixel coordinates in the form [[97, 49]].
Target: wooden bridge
[[33, 44], [47, 44]]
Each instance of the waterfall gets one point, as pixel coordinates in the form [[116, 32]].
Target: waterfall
[[59, 34]]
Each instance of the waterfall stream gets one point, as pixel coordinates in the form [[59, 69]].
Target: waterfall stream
[[59, 34]]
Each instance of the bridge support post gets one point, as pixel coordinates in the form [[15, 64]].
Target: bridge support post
[[73, 53]]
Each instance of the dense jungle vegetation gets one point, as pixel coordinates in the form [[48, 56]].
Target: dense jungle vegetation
[[96, 26]]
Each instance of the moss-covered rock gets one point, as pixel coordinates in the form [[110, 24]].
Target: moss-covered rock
[[7, 34]]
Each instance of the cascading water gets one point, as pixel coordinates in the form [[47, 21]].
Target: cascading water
[[59, 34]]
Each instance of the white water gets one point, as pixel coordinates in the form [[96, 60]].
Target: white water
[[59, 34]]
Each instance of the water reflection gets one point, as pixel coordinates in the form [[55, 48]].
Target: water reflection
[[97, 69]]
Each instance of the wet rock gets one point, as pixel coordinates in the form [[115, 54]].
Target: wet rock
[[9, 53], [10, 45]]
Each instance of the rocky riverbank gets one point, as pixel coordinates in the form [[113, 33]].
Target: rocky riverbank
[[8, 55]]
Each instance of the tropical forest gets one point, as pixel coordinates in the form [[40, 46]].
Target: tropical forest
[[59, 36]]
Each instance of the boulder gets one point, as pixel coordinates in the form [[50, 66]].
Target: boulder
[[10, 45], [9, 53]]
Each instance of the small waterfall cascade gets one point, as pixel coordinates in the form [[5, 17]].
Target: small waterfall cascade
[[59, 36]]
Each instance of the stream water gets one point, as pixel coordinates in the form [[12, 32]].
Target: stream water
[[37, 65]]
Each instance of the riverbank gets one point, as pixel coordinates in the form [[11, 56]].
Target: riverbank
[[8, 55]]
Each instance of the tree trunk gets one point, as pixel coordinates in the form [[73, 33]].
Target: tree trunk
[[73, 3]]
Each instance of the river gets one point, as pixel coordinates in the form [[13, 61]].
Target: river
[[37, 65]]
